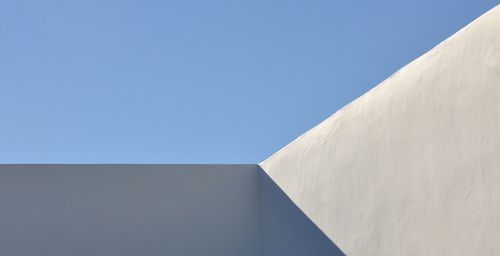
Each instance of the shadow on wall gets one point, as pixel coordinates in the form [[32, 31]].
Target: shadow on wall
[[286, 229], [129, 210]]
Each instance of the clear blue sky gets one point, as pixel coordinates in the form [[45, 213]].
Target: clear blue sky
[[196, 81]]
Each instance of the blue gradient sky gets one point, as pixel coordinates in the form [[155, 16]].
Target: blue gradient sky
[[196, 81]]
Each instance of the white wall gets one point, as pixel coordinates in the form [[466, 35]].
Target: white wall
[[413, 166]]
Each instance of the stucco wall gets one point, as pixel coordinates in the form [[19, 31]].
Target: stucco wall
[[413, 166]]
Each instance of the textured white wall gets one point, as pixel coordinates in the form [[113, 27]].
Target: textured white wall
[[413, 166]]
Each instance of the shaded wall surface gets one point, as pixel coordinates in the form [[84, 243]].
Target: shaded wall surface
[[286, 230], [150, 210]]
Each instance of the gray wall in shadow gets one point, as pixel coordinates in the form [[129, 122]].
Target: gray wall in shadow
[[286, 229], [119, 210], [108, 210]]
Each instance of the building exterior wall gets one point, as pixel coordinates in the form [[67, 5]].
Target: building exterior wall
[[120, 210], [411, 167]]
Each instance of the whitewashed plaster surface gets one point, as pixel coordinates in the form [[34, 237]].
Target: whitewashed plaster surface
[[413, 166]]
